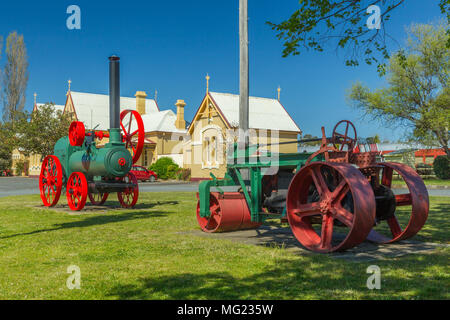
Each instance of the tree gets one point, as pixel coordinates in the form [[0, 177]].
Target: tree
[[39, 131], [1, 45], [418, 93], [311, 143], [342, 24], [8, 141], [15, 77]]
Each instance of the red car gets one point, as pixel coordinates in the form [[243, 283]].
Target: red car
[[143, 174]]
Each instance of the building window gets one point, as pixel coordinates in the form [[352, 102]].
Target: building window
[[145, 157], [213, 150]]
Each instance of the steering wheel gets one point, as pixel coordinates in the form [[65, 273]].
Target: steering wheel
[[344, 139]]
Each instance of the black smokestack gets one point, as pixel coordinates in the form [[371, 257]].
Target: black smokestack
[[114, 92]]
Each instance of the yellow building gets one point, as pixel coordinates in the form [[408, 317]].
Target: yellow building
[[215, 128]]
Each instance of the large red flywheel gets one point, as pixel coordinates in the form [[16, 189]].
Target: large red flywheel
[[133, 132], [330, 207], [408, 211]]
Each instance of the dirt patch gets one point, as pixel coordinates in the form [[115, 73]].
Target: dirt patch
[[283, 238]]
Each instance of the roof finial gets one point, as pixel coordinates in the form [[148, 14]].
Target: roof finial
[[207, 83], [69, 82], [156, 95], [279, 93], [35, 95]]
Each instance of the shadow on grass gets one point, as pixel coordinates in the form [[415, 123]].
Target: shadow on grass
[[96, 221], [319, 278], [112, 205]]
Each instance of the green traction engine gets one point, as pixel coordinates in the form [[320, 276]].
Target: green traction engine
[[333, 199], [85, 170]]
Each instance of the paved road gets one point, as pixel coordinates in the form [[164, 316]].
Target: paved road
[[12, 186]]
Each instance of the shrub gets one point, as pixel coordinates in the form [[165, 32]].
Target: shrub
[[442, 167], [184, 174], [172, 171], [424, 169], [20, 167], [165, 168]]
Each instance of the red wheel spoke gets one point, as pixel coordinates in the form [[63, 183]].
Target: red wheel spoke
[[124, 130], [308, 209], [134, 133], [213, 218], [327, 232], [214, 208], [403, 200], [344, 216], [129, 123], [319, 181], [387, 177], [394, 226], [340, 192]]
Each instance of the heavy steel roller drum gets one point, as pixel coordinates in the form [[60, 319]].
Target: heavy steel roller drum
[[331, 194], [229, 212]]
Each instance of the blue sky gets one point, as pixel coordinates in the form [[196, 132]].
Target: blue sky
[[169, 46]]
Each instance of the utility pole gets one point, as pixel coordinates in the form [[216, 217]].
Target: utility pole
[[243, 74]]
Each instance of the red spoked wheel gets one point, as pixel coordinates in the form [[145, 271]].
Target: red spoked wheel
[[77, 191], [50, 181], [331, 195], [347, 138], [129, 197], [77, 133], [229, 212], [406, 213], [133, 133], [98, 199]]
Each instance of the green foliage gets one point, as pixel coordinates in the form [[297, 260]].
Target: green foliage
[[311, 144], [442, 167], [39, 131], [184, 174], [165, 168], [8, 142], [418, 93], [424, 169], [445, 9], [342, 24]]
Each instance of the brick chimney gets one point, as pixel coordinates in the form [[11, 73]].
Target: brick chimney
[[180, 123], [140, 102]]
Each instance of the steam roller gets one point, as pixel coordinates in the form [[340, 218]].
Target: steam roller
[[333, 199]]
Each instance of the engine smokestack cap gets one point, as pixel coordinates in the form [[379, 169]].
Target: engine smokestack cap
[[114, 58]]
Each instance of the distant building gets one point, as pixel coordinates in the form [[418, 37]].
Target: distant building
[[218, 114]]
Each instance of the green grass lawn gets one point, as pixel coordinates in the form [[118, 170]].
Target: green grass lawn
[[151, 253]]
